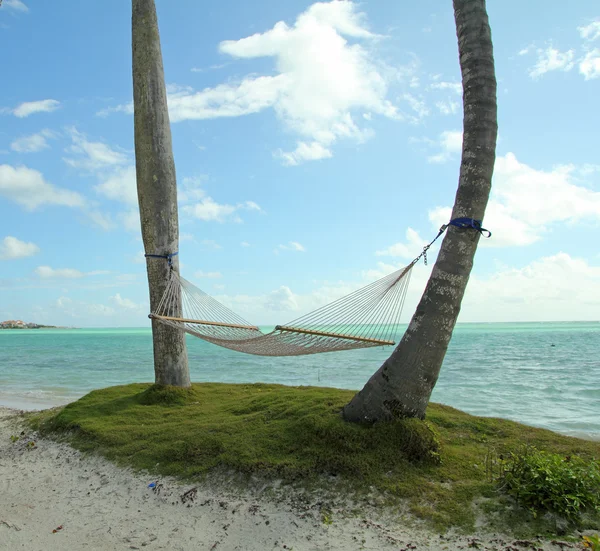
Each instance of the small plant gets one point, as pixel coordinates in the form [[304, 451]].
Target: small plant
[[14, 438], [326, 516], [551, 482], [592, 542]]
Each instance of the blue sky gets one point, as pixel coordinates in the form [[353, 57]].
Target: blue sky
[[317, 147]]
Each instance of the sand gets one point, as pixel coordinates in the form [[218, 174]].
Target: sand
[[53, 497]]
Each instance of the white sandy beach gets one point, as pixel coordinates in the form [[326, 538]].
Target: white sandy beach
[[52, 497]]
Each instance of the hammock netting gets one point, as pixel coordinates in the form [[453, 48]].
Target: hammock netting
[[365, 318]]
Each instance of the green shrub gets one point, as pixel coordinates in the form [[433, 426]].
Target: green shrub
[[541, 481], [592, 542]]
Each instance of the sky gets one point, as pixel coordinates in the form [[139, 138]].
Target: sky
[[317, 148]]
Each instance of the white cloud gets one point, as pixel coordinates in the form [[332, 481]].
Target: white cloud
[[189, 189], [450, 104], [130, 220], [210, 211], [451, 143], [245, 244], [126, 108], [540, 196], [33, 143], [117, 178], [210, 68], [124, 303], [196, 203], [455, 87], [426, 141], [92, 155], [417, 105], [28, 188], [413, 246], [321, 78], [250, 205], [525, 201], [551, 59], [251, 95], [590, 32], [210, 275], [29, 108], [281, 299], [120, 186], [292, 246], [587, 169], [65, 306], [16, 5], [46, 272], [11, 247], [557, 287], [448, 107], [101, 219], [64, 302], [100, 310], [589, 65], [98, 272], [304, 152]]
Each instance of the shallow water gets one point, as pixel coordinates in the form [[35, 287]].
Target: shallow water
[[508, 370]]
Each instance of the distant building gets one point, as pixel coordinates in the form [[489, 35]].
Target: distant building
[[18, 324]]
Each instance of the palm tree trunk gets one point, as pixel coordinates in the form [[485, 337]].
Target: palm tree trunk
[[156, 185], [403, 384]]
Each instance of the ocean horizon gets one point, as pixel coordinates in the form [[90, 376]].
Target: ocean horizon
[[544, 374]]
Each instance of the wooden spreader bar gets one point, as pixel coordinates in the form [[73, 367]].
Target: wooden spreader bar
[[327, 334], [204, 322]]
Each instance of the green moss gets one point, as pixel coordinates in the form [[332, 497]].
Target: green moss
[[296, 433], [159, 395]]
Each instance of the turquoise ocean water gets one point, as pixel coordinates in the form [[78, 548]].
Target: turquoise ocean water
[[508, 370]]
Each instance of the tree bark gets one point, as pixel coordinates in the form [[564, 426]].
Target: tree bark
[[156, 186], [403, 384]]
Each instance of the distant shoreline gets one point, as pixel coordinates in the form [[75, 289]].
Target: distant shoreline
[[268, 327], [35, 327]]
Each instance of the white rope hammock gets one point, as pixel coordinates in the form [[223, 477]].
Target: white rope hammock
[[365, 318]]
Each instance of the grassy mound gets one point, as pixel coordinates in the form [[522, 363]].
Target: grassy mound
[[297, 434]]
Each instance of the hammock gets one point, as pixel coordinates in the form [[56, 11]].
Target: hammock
[[365, 318]]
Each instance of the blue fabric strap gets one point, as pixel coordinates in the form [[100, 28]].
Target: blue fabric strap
[[167, 257], [463, 224], [466, 223]]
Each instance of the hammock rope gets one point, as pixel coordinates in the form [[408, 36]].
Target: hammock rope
[[365, 318], [368, 317]]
